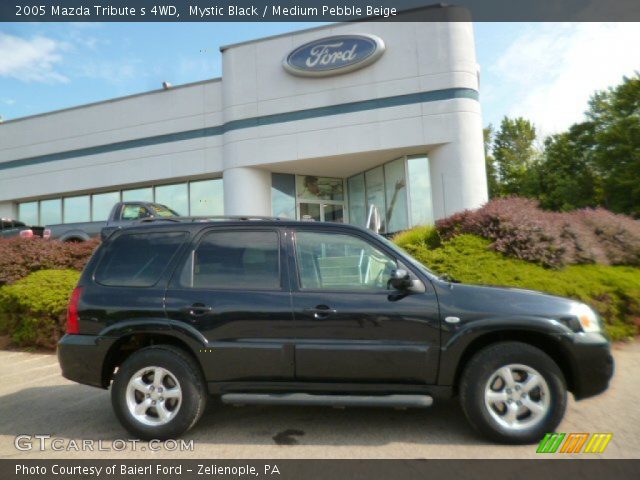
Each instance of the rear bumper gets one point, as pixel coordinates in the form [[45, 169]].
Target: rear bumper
[[593, 365], [81, 358]]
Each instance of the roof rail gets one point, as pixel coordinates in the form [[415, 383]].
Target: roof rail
[[208, 218], [237, 217]]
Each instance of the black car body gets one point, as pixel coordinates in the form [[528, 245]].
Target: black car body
[[269, 311]]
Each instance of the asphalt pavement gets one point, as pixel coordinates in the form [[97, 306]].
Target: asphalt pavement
[[36, 400]]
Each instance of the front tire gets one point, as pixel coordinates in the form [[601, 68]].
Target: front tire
[[158, 393], [512, 392]]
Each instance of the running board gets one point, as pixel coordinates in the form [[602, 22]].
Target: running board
[[306, 399]]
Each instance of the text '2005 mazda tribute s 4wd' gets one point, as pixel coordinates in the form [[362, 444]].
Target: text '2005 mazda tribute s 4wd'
[[281, 312]]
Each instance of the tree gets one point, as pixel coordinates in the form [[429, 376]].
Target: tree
[[612, 137], [492, 172], [514, 152], [564, 177]]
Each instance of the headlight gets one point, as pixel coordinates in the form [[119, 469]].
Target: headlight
[[587, 317]]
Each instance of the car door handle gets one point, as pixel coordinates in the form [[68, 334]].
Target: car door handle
[[197, 309], [321, 311]]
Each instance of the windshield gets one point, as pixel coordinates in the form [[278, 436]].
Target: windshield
[[408, 257], [163, 211]]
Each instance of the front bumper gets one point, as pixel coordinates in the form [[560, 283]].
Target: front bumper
[[592, 364], [82, 358]]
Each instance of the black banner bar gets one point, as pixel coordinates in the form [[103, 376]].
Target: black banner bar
[[582, 468], [316, 11]]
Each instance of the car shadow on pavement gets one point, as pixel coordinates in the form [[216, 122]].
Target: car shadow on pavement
[[80, 412]]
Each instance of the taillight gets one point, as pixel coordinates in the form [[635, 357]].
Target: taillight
[[73, 326], [46, 233], [26, 233]]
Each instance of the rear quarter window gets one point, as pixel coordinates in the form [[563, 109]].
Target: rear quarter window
[[138, 259]]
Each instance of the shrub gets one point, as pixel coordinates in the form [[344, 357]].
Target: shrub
[[33, 310], [518, 228], [614, 291], [21, 256], [423, 235]]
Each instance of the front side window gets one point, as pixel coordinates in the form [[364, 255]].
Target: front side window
[[328, 261], [138, 259], [235, 260]]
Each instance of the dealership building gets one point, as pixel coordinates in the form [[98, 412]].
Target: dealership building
[[329, 123]]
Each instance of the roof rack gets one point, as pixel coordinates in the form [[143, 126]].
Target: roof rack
[[209, 218]]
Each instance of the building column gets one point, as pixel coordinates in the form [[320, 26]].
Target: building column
[[458, 174], [247, 191], [8, 210]]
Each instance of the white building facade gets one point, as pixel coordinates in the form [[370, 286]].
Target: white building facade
[[320, 124]]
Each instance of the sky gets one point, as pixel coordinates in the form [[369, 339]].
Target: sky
[[545, 72]]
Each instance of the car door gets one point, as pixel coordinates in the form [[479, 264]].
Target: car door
[[350, 325], [233, 288]]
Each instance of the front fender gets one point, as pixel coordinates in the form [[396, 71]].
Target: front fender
[[457, 339]]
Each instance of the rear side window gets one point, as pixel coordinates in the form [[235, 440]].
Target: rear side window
[[138, 259], [134, 212], [235, 260]]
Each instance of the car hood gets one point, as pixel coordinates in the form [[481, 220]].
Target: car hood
[[480, 300]]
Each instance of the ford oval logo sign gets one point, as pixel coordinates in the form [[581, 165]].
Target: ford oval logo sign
[[334, 55]]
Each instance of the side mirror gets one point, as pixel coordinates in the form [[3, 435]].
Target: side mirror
[[400, 279]]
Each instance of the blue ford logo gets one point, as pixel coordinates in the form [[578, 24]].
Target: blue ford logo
[[334, 55]]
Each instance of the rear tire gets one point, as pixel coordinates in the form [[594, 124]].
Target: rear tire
[[158, 393], [512, 392]]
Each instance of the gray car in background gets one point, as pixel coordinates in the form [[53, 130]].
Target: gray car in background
[[122, 213]]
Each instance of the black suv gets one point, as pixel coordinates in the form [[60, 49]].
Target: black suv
[[282, 312]]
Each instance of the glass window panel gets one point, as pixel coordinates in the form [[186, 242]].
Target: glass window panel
[[333, 213], [28, 213], [374, 181], [310, 187], [283, 195], [396, 196], [420, 191], [329, 261], [138, 195], [357, 200], [77, 209], [310, 212], [174, 196], [138, 260], [242, 260], [206, 197], [102, 204], [51, 211]]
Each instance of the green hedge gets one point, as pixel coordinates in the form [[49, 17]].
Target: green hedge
[[612, 290], [33, 309]]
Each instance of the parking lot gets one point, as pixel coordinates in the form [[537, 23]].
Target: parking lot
[[35, 399]]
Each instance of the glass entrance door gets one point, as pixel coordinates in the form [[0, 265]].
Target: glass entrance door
[[321, 212], [320, 199]]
